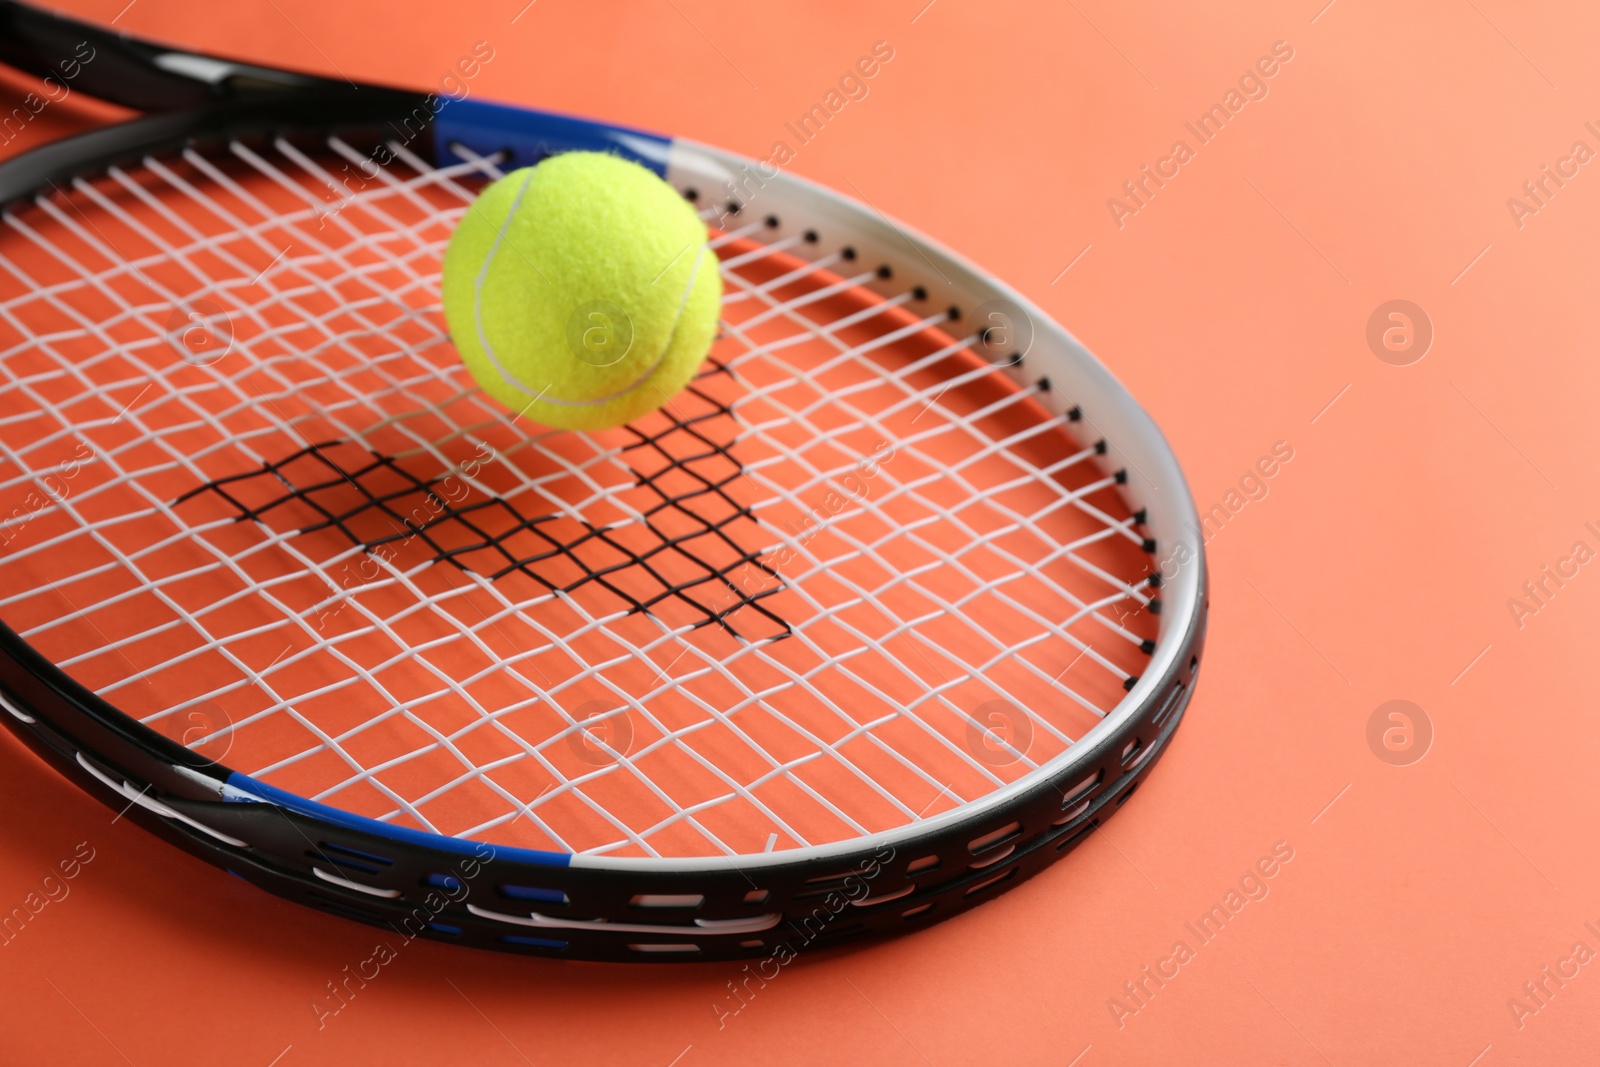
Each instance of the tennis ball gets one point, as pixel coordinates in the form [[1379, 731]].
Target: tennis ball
[[580, 292]]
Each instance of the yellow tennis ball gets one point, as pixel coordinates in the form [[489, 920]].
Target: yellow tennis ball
[[581, 292]]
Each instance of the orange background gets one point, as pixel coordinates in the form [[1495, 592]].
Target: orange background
[[1235, 305]]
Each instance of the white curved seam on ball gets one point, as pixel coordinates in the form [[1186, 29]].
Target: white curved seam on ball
[[483, 275], [683, 302]]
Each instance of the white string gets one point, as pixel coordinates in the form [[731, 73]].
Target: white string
[[972, 571]]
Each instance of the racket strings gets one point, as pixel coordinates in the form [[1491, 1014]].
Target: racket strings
[[936, 515], [855, 726], [379, 503], [983, 447]]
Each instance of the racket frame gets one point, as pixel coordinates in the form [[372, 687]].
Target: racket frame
[[743, 906]]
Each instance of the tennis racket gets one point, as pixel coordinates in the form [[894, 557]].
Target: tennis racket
[[896, 603]]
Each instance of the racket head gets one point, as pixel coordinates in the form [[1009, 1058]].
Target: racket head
[[904, 861]]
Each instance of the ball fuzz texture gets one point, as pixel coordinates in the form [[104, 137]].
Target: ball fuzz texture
[[581, 292]]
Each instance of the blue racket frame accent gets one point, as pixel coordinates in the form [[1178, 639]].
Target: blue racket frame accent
[[258, 791], [529, 135]]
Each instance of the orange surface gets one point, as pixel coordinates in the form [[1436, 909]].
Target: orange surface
[[1235, 302]]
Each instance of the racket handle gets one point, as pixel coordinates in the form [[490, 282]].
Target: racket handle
[[103, 63]]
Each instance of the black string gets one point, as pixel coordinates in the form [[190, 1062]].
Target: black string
[[475, 533]]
